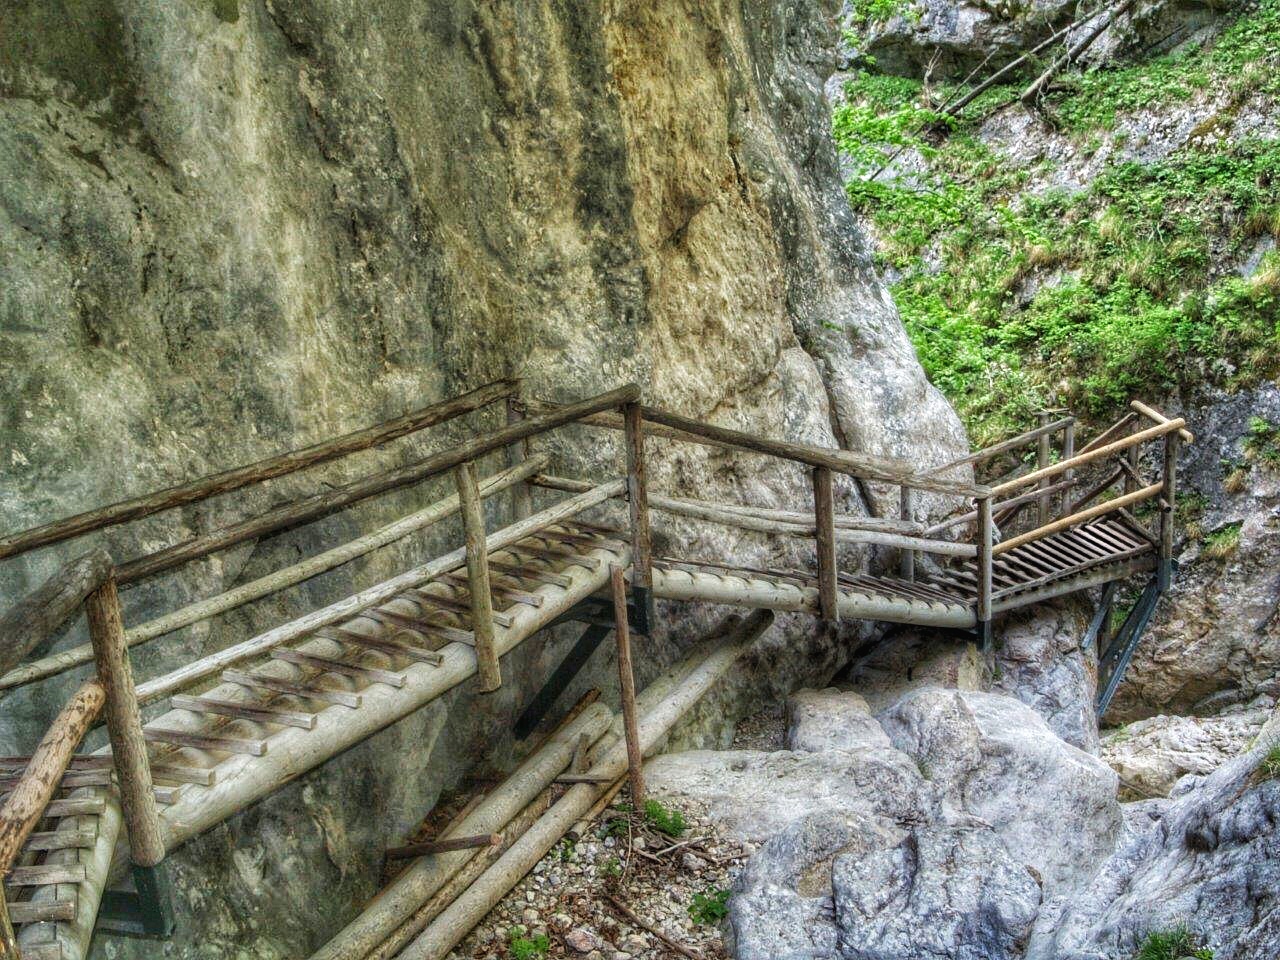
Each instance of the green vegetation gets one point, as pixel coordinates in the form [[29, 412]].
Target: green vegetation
[[1019, 299], [1222, 543], [523, 947], [710, 907], [1171, 945], [1262, 443], [671, 822], [1269, 766]]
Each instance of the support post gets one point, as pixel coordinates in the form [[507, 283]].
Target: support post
[[1044, 452], [984, 544], [1068, 451], [825, 522], [1168, 501], [8, 942], [907, 559], [638, 500], [1131, 475], [627, 686], [124, 725], [517, 453], [488, 669]]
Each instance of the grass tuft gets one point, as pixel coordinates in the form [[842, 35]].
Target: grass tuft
[[1171, 945]]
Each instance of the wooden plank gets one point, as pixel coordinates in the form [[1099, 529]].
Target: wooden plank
[[426, 629], [459, 606], [488, 669], [591, 541], [824, 511], [259, 713], [983, 568], [70, 781], [179, 773], [566, 556], [45, 875], [62, 840], [76, 807], [36, 617], [26, 806], [499, 589], [239, 477], [81, 761], [372, 674], [42, 911], [530, 574], [389, 645], [1146, 493], [124, 726], [201, 741], [1168, 500], [1044, 452], [343, 698], [167, 795], [348, 607]]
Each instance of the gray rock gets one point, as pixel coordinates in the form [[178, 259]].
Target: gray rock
[[952, 893], [831, 719], [993, 758]]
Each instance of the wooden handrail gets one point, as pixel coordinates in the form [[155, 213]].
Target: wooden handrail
[[26, 804], [1152, 413], [238, 477], [321, 504], [1003, 446], [1098, 453], [997, 507], [36, 617], [1110, 506], [861, 465]]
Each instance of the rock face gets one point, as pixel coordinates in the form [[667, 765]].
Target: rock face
[[935, 829], [233, 227]]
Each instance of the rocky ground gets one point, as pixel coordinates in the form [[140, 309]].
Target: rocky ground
[[576, 901]]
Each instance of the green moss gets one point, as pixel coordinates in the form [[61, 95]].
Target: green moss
[[1171, 945], [1016, 302], [669, 821]]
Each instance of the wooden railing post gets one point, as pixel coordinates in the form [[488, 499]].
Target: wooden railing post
[[1068, 451], [627, 689], [487, 667], [638, 502], [1044, 451], [517, 453], [124, 725], [906, 510], [825, 524], [983, 568], [8, 942], [1168, 502]]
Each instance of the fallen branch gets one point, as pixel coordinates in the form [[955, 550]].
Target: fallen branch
[[1036, 88], [629, 915]]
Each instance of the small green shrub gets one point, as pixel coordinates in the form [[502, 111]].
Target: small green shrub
[[671, 822], [710, 907], [1171, 945], [523, 947], [613, 867], [1269, 767], [1222, 543]]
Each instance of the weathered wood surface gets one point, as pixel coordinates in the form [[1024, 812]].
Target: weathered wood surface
[[638, 514], [322, 504], [25, 807], [627, 687], [1152, 413], [1098, 510], [205, 741], [488, 670], [124, 725], [444, 845], [1098, 453], [256, 712], [37, 616], [1004, 446], [330, 665], [234, 479], [305, 691], [350, 606], [824, 510], [983, 561]]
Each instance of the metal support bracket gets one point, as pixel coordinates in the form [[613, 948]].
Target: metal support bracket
[[1119, 652], [145, 911]]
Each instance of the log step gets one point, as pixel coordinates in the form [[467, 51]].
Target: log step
[[259, 713], [458, 606], [445, 634], [499, 590], [41, 911], [180, 738], [62, 840], [201, 776], [76, 807], [167, 795], [253, 681], [372, 674], [566, 556], [70, 780], [385, 645], [46, 875], [531, 574], [86, 761]]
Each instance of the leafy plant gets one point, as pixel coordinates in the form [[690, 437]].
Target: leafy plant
[[671, 822], [1222, 543], [1171, 945], [710, 907], [612, 867], [523, 947], [1269, 766]]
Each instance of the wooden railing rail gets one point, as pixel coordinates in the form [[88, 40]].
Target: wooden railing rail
[[1098, 510], [1005, 446], [36, 617], [234, 479], [1151, 413]]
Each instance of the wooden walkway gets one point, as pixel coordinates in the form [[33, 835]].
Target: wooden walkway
[[279, 704]]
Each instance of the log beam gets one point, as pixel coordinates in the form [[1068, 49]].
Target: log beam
[[488, 670]]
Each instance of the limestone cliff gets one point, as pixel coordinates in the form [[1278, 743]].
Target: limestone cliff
[[231, 227]]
